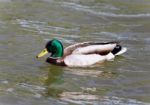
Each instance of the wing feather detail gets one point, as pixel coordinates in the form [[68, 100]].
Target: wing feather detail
[[90, 48]]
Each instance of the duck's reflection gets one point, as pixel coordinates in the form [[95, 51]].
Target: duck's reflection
[[54, 82]]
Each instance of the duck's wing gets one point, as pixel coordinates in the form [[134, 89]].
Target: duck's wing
[[68, 50], [90, 48], [80, 60]]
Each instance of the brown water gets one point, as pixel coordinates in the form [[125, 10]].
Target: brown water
[[25, 27]]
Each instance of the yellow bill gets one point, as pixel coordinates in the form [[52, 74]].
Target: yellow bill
[[44, 52]]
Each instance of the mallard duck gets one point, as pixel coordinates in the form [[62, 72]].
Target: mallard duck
[[81, 54]]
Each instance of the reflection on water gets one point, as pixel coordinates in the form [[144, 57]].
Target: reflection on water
[[53, 82], [90, 73], [25, 27]]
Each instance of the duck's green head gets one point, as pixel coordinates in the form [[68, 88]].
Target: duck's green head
[[54, 47]]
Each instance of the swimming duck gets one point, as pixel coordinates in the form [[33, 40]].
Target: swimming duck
[[81, 54]]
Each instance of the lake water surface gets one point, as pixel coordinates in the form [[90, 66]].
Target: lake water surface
[[25, 27]]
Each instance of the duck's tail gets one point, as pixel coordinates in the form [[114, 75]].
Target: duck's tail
[[118, 50]]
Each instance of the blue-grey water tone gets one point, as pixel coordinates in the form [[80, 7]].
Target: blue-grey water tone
[[25, 27]]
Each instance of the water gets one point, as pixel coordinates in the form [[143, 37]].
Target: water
[[25, 27]]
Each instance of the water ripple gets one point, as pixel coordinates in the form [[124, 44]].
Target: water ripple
[[31, 87], [106, 14], [107, 34], [43, 27], [34, 89], [5, 1], [81, 98], [91, 73]]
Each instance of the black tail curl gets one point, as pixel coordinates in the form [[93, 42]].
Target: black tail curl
[[116, 49]]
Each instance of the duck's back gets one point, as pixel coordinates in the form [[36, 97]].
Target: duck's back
[[90, 48]]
